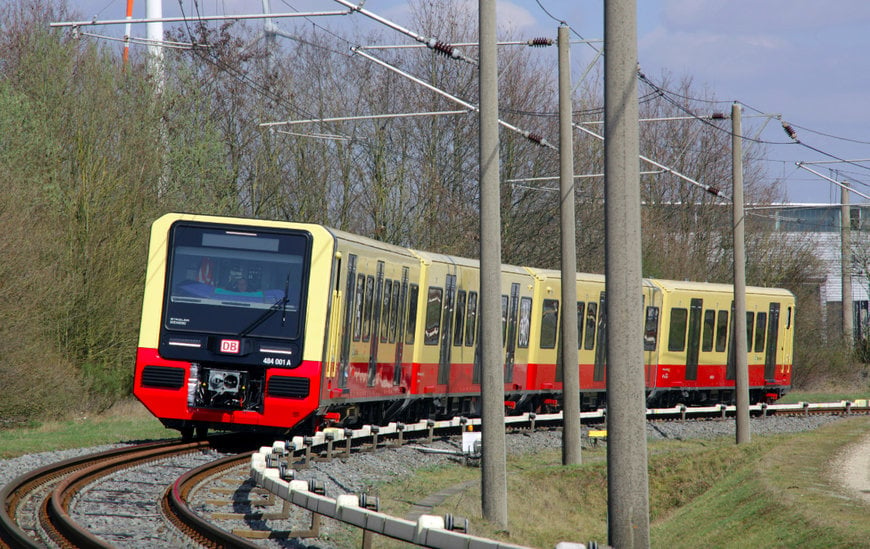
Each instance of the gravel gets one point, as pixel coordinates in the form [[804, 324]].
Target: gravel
[[11, 469]]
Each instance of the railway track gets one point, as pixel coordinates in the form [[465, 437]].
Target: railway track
[[36, 509]]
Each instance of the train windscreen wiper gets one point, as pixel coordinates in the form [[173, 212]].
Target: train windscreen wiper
[[280, 304]]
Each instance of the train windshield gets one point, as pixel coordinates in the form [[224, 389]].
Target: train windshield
[[235, 281]]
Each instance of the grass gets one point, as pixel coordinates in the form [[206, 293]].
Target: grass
[[773, 492], [823, 396], [127, 421]]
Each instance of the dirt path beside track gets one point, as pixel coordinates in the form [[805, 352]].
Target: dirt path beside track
[[852, 468]]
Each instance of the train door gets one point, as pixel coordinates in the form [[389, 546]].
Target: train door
[[651, 336], [349, 304], [446, 329], [510, 347], [772, 343], [378, 299], [695, 313]]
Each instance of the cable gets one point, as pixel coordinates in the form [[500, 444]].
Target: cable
[[823, 134], [543, 9]]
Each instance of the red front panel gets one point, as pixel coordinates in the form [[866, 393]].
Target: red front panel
[[172, 403]]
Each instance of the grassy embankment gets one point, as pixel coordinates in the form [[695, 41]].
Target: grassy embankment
[[777, 491], [127, 421]]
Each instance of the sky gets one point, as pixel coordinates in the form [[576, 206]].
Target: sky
[[804, 62]]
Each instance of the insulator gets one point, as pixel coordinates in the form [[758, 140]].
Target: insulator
[[442, 48], [718, 116], [540, 42], [536, 137], [789, 130], [714, 191]]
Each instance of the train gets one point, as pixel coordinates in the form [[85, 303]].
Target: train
[[285, 327]]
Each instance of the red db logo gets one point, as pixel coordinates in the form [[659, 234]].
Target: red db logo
[[230, 346]]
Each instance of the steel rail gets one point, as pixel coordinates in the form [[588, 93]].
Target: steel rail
[[13, 493], [58, 523], [194, 526]]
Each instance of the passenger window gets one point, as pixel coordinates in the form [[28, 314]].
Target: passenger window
[[591, 321], [394, 315], [709, 323], [750, 326], [460, 318], [367, 308], [471, 322], [549, 323], [722, 332], [760, 330], [525, 322], [677, 331], [413, 296], [651, 329], [433, 316], [580, 309], [385, 310], [358, 307], [504, 313]]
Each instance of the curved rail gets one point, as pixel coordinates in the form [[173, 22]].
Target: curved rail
[[12, 495], [193, 525], [70, 476], [55, 510]]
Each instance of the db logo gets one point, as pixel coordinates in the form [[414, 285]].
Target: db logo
[[230, 346]]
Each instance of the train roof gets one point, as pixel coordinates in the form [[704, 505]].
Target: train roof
[[688, 286]]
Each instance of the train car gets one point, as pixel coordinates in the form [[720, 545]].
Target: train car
[[695, 359], [278, 326]]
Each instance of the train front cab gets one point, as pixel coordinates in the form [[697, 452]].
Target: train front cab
[[215, 356], [695, 353]]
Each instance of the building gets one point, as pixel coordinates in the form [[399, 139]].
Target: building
[[821, 223]]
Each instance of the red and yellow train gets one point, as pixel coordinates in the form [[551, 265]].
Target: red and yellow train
[[264, 325]]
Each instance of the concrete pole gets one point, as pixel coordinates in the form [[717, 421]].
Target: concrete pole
[[846, 264], [154, 10], [627, 484], [570, 370], [493, 469], [741, 358], [154, 32]]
